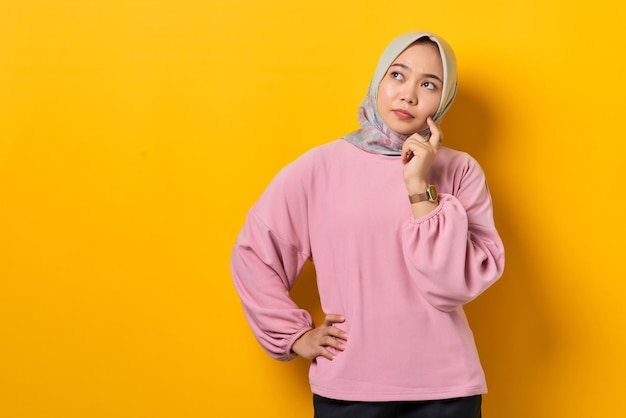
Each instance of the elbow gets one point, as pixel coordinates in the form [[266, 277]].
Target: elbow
[[454, 297], [447, 304]]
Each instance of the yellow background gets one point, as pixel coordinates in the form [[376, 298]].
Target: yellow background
[[135, 134]]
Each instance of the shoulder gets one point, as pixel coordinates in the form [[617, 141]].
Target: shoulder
[[297, 175], [328, 150], [317, 158], [286, 197], [457, 170], [454, 156], [449, 159]]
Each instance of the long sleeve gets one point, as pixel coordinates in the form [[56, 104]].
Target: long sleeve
[[455, 253], [265, 265]]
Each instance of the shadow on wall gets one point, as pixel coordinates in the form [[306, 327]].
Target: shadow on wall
[[511, 323], [511, 320], [467, 126]]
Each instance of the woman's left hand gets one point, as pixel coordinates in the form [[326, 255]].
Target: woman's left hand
[[418, 154]]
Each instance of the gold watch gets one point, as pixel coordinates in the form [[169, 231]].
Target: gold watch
[[430, 195]]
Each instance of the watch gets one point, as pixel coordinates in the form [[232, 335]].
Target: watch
[[430, 195]]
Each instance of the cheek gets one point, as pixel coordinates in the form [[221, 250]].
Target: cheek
[[382, 87], [381, 102], [384, 95], [433, 103]]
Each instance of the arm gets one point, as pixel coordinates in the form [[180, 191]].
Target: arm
[[455, 253], [268, 256], [264, 268]]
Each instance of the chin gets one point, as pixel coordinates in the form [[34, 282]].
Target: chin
[[408, 131]]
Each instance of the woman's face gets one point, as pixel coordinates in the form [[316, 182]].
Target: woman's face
[[411, 89]]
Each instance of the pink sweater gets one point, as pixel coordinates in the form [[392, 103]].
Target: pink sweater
[[400, 282]]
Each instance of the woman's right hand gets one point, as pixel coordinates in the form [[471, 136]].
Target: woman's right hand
[[418, 154], [316, 342]]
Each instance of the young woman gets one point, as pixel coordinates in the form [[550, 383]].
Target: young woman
[[401, 232]]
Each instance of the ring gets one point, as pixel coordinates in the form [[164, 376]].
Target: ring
[[425, 140]]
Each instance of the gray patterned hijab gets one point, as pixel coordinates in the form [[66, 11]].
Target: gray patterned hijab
[[374, 136]]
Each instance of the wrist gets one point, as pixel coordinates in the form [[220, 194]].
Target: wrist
[[429, 195], [416, 186]]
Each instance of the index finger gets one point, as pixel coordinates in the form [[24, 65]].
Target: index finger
[[435, 132]]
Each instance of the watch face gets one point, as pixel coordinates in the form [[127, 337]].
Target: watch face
[[431, 191]]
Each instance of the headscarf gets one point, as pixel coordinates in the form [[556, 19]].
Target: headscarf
[[374, 136]]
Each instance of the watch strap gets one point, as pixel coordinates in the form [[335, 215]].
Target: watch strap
[[418, 197], [430, 195]]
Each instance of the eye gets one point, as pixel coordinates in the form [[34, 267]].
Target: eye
[[396, 75], [429, 85]]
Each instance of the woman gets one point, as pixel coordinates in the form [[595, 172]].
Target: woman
[[401, 233]]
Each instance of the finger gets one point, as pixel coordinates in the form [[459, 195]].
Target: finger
[[414, 139], [331, 319], [406, 153], [334, 343], [435, 132], [327, 354], [335, 333], [411, 144]]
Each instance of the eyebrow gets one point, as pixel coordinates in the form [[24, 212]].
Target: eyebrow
[[408, 68]]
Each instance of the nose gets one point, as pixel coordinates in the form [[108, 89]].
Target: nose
[[409, 96]]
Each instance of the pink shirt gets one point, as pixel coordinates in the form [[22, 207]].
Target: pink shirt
[[400, 282]]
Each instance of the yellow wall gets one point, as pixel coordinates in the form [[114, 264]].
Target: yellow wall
[[135, 134]]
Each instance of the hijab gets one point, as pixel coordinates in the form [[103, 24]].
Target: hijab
[[374, 136]]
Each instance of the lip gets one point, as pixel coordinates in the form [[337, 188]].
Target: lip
[[402, 114]]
